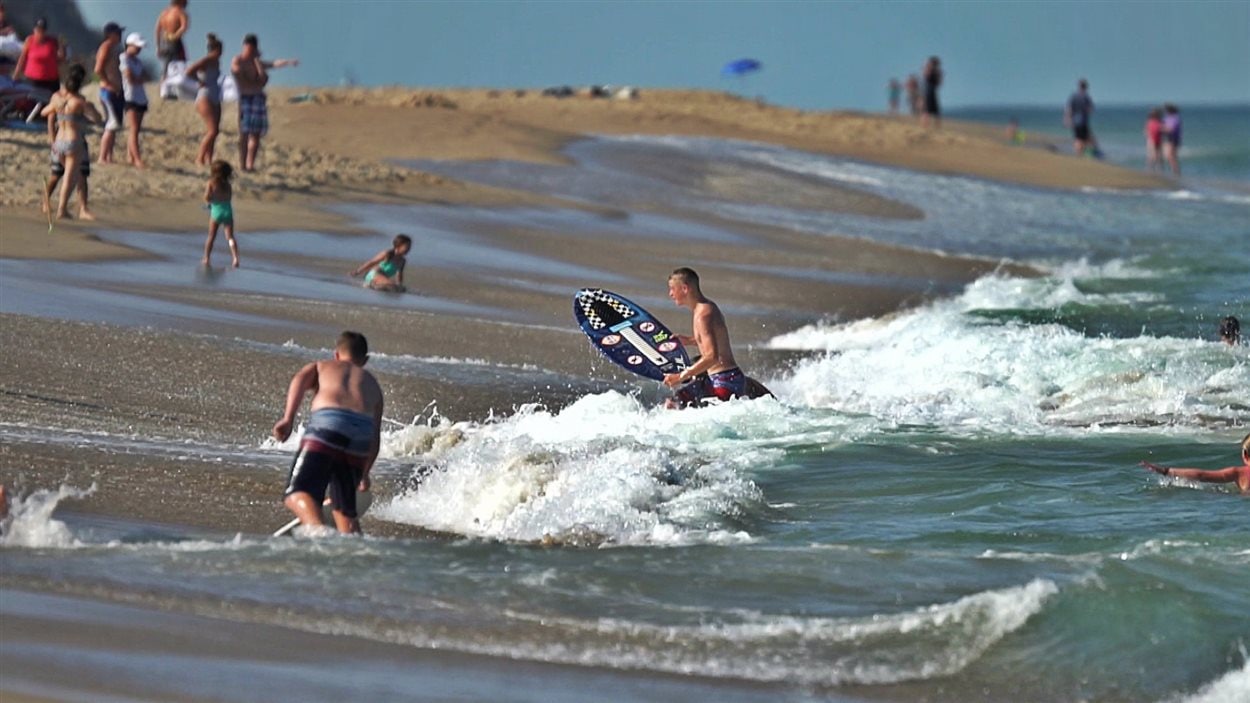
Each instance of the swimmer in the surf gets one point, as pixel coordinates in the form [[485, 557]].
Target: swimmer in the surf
[[386, 270], [341, 438], [1230, 331], [1239, 475], [711, 335]]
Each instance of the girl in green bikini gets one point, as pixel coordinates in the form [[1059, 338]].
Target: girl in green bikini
[[386, 270], [220, 213]]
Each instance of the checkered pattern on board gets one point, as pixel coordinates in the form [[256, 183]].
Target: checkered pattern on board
[[587, 298]]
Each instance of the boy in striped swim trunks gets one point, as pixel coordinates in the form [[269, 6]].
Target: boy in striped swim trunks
[[341, 437]]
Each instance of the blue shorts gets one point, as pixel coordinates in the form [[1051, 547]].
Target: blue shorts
[[114, 107], [724, 385]]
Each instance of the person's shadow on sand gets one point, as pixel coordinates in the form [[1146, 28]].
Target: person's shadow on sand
[[209, 274]]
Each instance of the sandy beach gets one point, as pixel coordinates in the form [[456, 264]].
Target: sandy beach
[[146, 386], [329, 145]]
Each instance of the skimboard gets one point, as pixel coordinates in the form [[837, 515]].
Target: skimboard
[[633, 339], [628, 335], [363, 500]]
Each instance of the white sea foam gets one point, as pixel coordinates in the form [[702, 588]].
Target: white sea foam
[[606, 469], [398, 359], [1232, 687], [30, 523], [1232, 198], [951, 365], [930, 642], [1181, 194], [840, 171]]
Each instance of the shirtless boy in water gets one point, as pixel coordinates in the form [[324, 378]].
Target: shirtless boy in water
[[1239, 475], [725, 380], [341, 438]]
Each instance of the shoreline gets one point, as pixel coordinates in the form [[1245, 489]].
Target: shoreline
[[317, 155]]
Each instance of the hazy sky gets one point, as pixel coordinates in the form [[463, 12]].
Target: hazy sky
[[816, 54]]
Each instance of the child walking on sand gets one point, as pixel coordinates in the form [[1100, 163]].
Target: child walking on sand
[[386, 270], [218, 194]]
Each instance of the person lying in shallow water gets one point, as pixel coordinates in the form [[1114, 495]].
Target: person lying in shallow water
[[1239, 475], [386, 270]]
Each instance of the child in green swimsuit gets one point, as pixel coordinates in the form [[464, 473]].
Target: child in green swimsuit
[[220, 213], [386, 270]]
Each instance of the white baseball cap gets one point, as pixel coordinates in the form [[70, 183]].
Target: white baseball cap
[[135, 39]]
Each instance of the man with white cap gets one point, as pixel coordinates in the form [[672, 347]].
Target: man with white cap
[[133, 77]]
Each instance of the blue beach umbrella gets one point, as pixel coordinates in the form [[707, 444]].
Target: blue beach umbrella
[[740, 68]]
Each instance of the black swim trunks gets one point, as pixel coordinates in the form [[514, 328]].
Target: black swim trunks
[[317, 467], [172, 50], [333, 453]]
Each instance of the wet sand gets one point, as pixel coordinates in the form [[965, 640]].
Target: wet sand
[[125, 651]]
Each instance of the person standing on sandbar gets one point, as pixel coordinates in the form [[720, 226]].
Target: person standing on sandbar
[[171, 25], [1076, 115], [251, 74]]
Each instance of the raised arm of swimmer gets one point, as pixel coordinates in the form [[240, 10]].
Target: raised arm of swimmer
[[1232, 474]]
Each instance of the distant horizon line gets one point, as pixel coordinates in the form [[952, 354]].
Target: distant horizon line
[[1218, 102], [1028, 106]]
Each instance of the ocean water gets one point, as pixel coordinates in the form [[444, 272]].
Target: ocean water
[[941, 504], [1215, 142]]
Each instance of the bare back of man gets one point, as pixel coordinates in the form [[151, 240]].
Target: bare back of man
[[171, 25]]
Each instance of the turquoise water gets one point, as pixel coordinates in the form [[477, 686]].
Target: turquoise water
[[943, 504]]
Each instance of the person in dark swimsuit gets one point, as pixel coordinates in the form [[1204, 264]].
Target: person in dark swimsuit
[[932, 81], [1077, 116], [1230, 331]]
